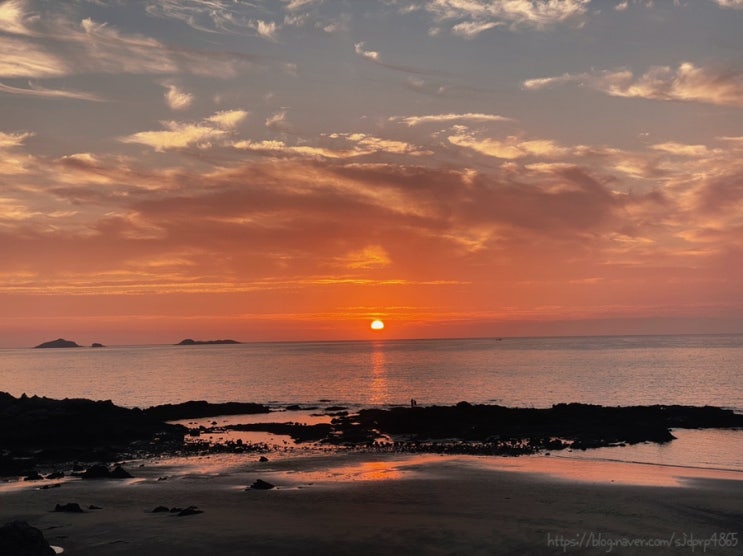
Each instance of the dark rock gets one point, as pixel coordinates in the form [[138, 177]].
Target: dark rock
[[47, 487], [94, 507], [71, 429], [260, 484], [191, 510], [263, 459], [58, 343], [55, 475], [201, 408], [190, 342], [120, 473], [33, 477], [18, 538], [160, 509], [97, 471], [100, 471], [70, 507], [96, 345]]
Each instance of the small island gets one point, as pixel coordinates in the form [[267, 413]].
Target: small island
[[190, 342], [58, 343]]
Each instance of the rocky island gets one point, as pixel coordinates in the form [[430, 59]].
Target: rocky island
[[190, 342], [58, 343]]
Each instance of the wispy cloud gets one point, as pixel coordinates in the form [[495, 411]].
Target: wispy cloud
[[344, 145], [9, 140], [472, 17], [686, 83], [511, 148], [372, 55], [681, 149], [13, 16], [22, 58], [266, 29], [278, 122], [228, 119], [52, 44], [368, 258], [293, 5], [38, 91], [176, 98], [448, 118], [280, 147], [734, 4], [370, 143], [212, 16], [13, 163], [178, 135]]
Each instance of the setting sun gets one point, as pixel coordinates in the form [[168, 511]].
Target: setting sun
[[377, 325]]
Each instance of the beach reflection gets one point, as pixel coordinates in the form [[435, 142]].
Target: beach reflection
[[336, 472], [372, 471], [379, 387]]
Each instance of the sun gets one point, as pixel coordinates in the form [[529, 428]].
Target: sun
[[377, 325]]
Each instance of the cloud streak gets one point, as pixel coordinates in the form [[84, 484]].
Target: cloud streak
[[38, 91], [448, 118], [178, 135], [686, 83], [473, 17], [45, 45]]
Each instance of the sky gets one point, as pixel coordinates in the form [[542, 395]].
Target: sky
[[292, 169]]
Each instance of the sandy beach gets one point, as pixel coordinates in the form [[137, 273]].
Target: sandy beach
[[361, 503]]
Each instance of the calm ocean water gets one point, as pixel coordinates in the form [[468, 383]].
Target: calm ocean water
[[531, 372], [538, 372]]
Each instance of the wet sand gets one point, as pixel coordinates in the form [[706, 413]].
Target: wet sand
[[352, 503]]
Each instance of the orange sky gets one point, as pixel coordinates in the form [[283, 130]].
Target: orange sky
[[290, 170]]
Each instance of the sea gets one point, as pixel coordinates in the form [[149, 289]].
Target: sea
[[518, 372]]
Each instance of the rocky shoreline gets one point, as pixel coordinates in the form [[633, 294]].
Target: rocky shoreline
[[38, 432]]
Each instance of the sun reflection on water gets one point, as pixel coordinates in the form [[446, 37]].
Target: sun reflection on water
[[379, 386]]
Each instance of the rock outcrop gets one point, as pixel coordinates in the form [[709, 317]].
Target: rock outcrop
[[100, 471], [21, 539], [190, 342], [201, 408], [58, 343], [492, 429], [70, 507], [260, 484], [73, 429]]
